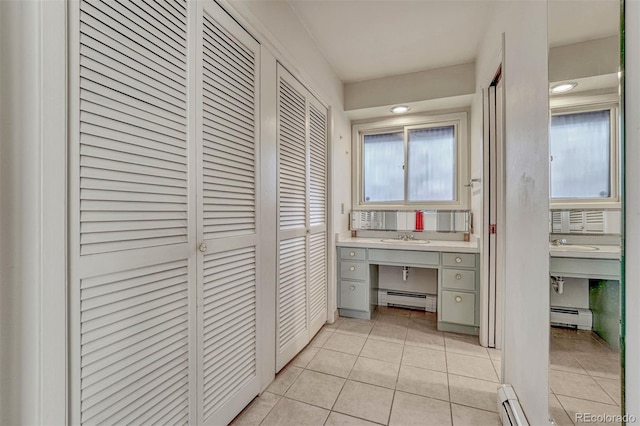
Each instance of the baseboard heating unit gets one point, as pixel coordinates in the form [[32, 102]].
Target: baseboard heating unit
[[579, 318], [405, 299], [509, 407]]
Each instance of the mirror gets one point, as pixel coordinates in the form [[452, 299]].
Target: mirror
[[585, 205], [449, 221]]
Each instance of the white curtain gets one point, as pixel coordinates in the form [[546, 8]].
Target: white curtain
[[580, 155]]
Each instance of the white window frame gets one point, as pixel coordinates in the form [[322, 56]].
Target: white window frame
[[404, 124], [588, 104]]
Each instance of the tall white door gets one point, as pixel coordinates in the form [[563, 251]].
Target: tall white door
[[302, 230], [228, 206], [131, 221], [164, 198]]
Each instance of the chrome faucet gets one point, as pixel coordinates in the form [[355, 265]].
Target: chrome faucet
[[559, 242]]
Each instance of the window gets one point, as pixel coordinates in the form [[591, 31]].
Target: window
[[420, 163], [583, 156]]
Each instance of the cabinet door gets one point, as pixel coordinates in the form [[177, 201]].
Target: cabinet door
[[458, 307], [131, 221], [317, 256], [228, 202], [302, 213], [293, 219]]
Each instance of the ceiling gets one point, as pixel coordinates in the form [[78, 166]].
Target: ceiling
[[366, 39]]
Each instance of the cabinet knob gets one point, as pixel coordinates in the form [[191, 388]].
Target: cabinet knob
[[353, 268], [352, 287], [202, 247], [458, 299], [352, 253], [458, 259], [458, 277]]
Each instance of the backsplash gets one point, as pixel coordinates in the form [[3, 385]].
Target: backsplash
[[594, 222], [420, 220]]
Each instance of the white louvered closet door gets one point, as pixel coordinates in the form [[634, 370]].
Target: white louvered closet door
[[130, 223], [228, 205], [302, 250], [317, 255]]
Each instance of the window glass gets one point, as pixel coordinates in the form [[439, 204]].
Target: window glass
[[383, 167], [580, 152], [432, 154]]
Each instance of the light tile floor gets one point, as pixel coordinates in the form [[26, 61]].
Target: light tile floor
[[396, 369], [584, 376]]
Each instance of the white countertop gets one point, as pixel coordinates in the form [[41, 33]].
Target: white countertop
[[601, 252], [432, 245]]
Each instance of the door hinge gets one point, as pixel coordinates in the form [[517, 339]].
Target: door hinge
[[492, 229]]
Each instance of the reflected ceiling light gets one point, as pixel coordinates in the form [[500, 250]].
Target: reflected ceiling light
[[563, 87], [399, 109]]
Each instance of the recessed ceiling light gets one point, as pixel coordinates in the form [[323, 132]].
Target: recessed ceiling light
[[399, 109], [563, 87]]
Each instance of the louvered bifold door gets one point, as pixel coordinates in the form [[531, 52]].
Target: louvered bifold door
[[130, 204], [317, 259], [227, 226], [292, 314]]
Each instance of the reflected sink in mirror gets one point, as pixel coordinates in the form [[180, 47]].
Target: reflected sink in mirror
[[397, 240], [573, 247]]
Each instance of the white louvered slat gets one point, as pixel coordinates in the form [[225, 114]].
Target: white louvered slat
[[594, 221], [556, 221], [292, 292], [229, 343], [229, 134], [317, 275], [134, 344], [133, 128], [292, 157], [318, 165], [228, 189]]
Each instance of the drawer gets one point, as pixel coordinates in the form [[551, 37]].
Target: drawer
[[353, 295], [466, 260], [459, 279], [458, 307], [404, 257], [353, 270], [352, 253]]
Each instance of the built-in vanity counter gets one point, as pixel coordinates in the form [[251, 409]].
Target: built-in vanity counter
[[457, 264], [585, 261], [593, 303]]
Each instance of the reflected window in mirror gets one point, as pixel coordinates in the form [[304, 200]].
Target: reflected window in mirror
[[583, 148]]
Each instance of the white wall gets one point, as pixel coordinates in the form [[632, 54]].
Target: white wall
[[32, 213], [526, 296], [438, 83], [280, 30], [632, 206]]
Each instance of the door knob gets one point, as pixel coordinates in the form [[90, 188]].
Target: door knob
[[202, 247]]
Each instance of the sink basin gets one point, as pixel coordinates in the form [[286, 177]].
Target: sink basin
[[572, 247], [396, 240]]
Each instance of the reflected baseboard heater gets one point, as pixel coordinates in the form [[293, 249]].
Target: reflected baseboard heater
[[579, 318], [405, 299], [509, 407]]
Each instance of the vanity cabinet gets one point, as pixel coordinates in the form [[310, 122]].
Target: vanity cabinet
[[458, 295], [458, 283], [357, 294]]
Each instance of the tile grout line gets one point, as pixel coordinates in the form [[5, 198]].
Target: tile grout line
[[446, 363]]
